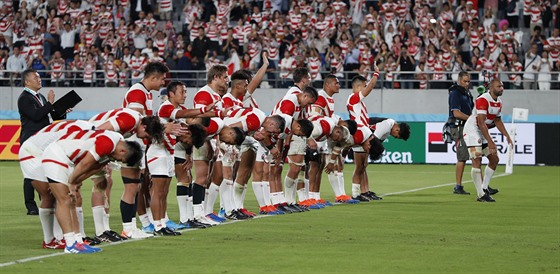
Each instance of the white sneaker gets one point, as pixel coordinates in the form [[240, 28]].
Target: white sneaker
[[206, 220], [136, 233]]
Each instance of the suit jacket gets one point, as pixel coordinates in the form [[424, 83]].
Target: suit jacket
[[33, 116]]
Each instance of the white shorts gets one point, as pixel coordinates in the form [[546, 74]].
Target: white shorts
[[201, 154], [180, 151], [358, 149], [297, 145], [262, 154], [228, 155], [249, 144], [473, 137], [160, 161], [56, 164], [30, 162], [323, 147]]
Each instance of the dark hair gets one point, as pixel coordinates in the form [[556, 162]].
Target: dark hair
[[311, 91], [239, 136], [155, 68], [329, 78], [352, 126], [154, 128], [199, 135], [239, 76], [25, 74], [279, 120], [463, 74], [306, 127], [404, 131], [376, 149], [358, 78], [172, 87], [205, 121], [215, 71], [134, 153], [299, 73]]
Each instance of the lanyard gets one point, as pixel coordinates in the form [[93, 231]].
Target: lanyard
[[35, 95]]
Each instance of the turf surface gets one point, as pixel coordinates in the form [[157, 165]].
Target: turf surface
[[429, 230]]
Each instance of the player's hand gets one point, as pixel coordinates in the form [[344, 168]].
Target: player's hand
[[74, 189], [275, 152], [50, 96], [187, 165], [175, 129], [492, 149], [265, 58], [312, 144], [375, 67], [329, 168], [509, 141], [210, 107], [69, 110]]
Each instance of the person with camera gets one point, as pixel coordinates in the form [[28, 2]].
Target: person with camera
[[460, 108]]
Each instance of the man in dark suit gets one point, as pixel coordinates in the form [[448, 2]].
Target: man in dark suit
[[36, 112]]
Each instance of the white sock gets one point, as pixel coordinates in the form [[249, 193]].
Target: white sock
[[356, 190], [127, 227], [259, 193], [157, 225], [333, 180], [190, 214], [314, 195], [133, 222], [106, 221], [98, 215], [213, 193], [289, 190], [302, 194], [47, 220], [243, 196], [57, 230], [182, 202], [306, 186], [476, 174], [488, 174], [145, 220], [266, 193], [78, 237], [69, 238], [275, 198], [237, 195], [80, 216], [340, 177], [198, 211], [226, 195], [163, 222], [150, 215], [166, 218]]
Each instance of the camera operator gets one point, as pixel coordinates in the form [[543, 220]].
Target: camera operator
[[460, 108]]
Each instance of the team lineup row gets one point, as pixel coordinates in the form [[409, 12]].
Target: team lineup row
[[225, 139]]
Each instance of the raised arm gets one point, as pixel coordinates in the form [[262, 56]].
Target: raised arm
[[259, 75], [365, 92]]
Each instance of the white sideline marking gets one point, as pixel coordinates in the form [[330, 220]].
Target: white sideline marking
[[227, 223]]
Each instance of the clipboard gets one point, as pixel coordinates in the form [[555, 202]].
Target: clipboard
[[69, 100]]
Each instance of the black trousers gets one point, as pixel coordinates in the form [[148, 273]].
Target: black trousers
[[29, 196]]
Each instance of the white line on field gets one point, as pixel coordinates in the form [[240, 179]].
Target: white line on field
[[227, 223]]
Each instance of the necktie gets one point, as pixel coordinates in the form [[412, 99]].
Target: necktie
[[39, 99]]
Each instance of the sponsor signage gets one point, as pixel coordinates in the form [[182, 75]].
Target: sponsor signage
[[9, 139], [438, 152], [406, 152]]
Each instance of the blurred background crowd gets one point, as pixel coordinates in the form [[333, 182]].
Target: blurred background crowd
[[416, 44]]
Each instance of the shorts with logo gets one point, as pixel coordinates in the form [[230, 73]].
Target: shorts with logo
[[160, 161], [201, 154], [262, 154], [323, 147], [473, 137]]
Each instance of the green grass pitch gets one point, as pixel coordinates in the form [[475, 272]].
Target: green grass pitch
[[426, 231]]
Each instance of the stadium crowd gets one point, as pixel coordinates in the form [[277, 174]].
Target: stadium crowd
[[107, 43]]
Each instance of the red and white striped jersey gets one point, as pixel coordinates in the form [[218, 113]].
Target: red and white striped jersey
[[485, 104], [362, 134], [401, 9], [57, 66], [536, 14], [139, 97], [74, 13], [239, 34], [223, 10], [272, 48], [62, 6], [123, 77], [357, 108], [389, 10], [484, 63], [35, 42], [123, 120], [553, 46], [527, 7], [251, 119], [206, 96], [294, 19], [293, 90], [54, 131], [136, 63], [515, 67], [6, 23], [167, 112], [337, 6], [230, 101], [382, 130], [255, 49], [215, 126], [324, 103], [314, 65], [322, 127], [212, 32], [160, 44], [110, 72], [89, 36], [99, 143], [289, 105], [165, 5]]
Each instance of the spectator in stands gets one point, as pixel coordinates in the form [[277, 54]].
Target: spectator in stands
[[531, 67], [544, 67], [67, 38], [201, 45], [407, 64], [15, 65]]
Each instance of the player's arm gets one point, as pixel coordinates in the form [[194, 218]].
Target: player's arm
[[501, 127], [259, 75], [331, 163], [365, 92], [84, 169]]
